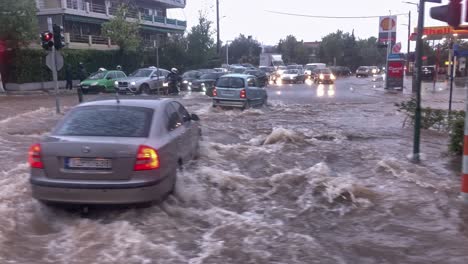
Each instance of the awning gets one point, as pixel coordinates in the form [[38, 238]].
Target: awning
[[82, 19]]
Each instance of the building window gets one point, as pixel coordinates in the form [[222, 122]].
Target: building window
[[159, 12]]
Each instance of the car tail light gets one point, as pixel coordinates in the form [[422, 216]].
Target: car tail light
[[34, 157], [242, 94], [215, 92], [147, 159]]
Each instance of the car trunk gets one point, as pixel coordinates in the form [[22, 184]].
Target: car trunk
[[228, 93], [90, 158]]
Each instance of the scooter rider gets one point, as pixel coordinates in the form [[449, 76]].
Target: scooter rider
[[173, 80]]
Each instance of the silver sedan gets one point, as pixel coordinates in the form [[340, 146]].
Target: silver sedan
[[111, 152]]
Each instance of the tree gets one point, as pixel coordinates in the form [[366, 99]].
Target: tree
[[122, 32], [244, 50], [292, 50], [18, 22], [201, 49]]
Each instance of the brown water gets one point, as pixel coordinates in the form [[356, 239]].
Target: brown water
[[324, 183]]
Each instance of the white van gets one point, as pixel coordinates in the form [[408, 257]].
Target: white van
[[312, 66]]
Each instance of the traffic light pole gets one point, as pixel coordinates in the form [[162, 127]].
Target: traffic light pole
[[54, 69], [419, 54]]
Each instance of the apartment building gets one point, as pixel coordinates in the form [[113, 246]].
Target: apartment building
[[82, 19]]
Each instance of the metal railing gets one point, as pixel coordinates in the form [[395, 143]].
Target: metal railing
[[78, 5], [96, 8], [99, 40], [79, 38]]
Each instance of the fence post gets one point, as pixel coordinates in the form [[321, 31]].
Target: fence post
[[109, 43], [87, 7], [464, 187], [90, 40], [64, 4], [107, 4]]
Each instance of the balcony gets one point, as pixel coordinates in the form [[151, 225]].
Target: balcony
[[173, 3], [105, 12]]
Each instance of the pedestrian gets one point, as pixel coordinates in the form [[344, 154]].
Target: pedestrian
[[82, 74], [69, 77]]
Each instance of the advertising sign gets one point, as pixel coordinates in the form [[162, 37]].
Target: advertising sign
[[387, 26], [396, 72]]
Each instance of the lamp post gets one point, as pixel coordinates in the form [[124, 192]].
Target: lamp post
[[227, 51]]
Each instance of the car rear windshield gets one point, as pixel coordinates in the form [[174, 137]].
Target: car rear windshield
[[325, 71], [209, 76], [230, 82], [106, 121], [362, 68]]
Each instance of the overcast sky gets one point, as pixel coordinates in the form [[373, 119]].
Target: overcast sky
[[250, 17]]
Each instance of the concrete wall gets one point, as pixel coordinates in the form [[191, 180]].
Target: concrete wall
[[36, 86]]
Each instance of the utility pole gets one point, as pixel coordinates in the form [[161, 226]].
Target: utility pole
[[419, 54], [389, 47], [217, 27], [409, 41]]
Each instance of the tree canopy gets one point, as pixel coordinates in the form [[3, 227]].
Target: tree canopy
[[18, 22], [244, 50], [121, 31]]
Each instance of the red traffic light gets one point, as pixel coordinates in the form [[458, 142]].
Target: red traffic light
[[48, 36]]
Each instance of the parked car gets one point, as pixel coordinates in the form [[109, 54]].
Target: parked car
[[145, 80], [292, 76], [261, 76], [324, 76], [340, 71], [189, 77], [101, 81], [428, 73], [114, 152], [206, 82], [238, 90], [363, 71], [237, 69]]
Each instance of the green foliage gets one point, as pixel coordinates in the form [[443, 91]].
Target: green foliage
[[122, 32], [457, 132], [243, 50], [292, 50], [344, 48], [18, 22], [437, 119], [200, 44]]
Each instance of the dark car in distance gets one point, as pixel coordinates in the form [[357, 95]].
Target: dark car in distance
[[324, 76], [206, 82], [189, 77], [428, 73], [262, 77]]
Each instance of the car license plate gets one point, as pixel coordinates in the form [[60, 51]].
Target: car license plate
[[85, 86], [88, 163], [228, 93]]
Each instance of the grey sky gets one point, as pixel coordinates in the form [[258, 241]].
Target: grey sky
[[249, 17]]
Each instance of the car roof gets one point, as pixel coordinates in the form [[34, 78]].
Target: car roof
[[152, 103], [238, 75]]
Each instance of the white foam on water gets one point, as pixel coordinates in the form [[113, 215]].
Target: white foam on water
[[419, 175], [281, 135], [318, 188], [31, 114]]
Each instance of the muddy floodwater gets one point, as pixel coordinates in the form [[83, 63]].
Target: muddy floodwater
[[288, 183]]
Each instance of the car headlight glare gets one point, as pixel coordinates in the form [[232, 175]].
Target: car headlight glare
[[321, 76], [332, 77], [133, 83], [185, 82], [94, 83], [190, 83]]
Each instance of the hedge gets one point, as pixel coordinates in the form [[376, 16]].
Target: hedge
[[29, 65]]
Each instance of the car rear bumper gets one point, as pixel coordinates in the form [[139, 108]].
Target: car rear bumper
[[228, 102], [96, 194]]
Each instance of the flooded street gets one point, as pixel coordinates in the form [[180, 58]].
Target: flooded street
[[321, 175]]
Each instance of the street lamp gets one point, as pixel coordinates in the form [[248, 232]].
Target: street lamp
[[227, 51]]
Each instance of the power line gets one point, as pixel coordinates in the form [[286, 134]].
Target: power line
[[330, 17]]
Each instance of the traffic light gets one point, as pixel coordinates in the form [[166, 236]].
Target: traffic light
[[47, 40], [450, 13], [59, 38]]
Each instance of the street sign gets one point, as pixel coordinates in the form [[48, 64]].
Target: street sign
[[58, 61]]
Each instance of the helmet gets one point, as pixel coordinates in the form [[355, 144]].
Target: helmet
[[119, 67], [174, 70], [101, 69]]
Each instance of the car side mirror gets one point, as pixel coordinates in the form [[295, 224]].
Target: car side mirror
[[194, 117]]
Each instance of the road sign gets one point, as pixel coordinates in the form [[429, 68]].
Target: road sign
[[58, 61]]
